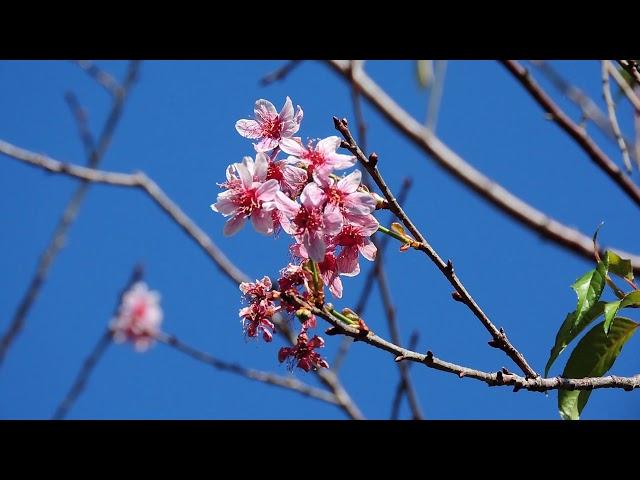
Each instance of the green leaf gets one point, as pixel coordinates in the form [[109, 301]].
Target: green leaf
[[611, 309], [619, 266], [424, 71], [568, 331], [589, 288], [593, 357]]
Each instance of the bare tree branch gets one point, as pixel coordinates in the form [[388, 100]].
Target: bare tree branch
[[632, 69], [578, 134], [83, 376], [290, 383], [151, 189], [71, 211], [611, 110], [500, 378], [394, 330], [279, 74], [104, 79], [489, 190], [588, 108], [500, 339], [397, 398]]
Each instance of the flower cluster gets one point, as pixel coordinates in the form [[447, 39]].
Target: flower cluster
[[139, 317], [329, 217]]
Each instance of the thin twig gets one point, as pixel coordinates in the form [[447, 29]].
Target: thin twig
[[70, 213], [579, 135], [80, 116], [104, 79], [625, 87], [289, 383], [394, 330], [367, 288], [397, 398], [500, 339], [154, 192], [499, 378], [611, 110], [280, 73], [588, 108], [569, 238], [83, 376]]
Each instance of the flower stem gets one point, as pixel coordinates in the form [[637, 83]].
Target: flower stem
[[391, 233], [342, 317], [316, 278]]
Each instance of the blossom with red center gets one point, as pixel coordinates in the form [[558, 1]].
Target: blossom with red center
[[320, 160], [308, 223], [354, 238], [292, 276], [291, 179], [342, 196], [303, 353], [248, 194], [139, 317], [269, 126], [260, 290]]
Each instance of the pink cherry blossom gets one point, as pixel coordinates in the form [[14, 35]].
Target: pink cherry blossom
[[260, 290], [303, 352], [320, 160], [354, 238], [291, 179], [292, 276], [256, 318], [342, 196], [307, 222], [269, 126], [248, 194], [139, 317]]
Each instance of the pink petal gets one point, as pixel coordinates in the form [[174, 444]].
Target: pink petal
[[262, 222], [312, 196], [261, 166], [340, 161], [347, 262], [335, 287], [286, 114], [266, 144], [294, 177], [264, 110], [233, 225], [267, 191], [292, 147], [332, 222], [249, 128], [368, 250], [360, 203], [298, 116], [286, 205], [350, 183], [328, 145], [224, 206], [315, 245], [245, 175]]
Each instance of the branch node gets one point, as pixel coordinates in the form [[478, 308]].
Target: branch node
[[373, 159], [449, 266], [456, 296], [399, 358]]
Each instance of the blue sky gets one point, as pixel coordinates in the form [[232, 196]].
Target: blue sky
[[178, 127]]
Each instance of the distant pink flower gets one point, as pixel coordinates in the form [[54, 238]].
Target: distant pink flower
[[320, 160], [139, 317], [269, 126], [248, 194], [354, 238], [342, 196], [307, 222], [303, 353]]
